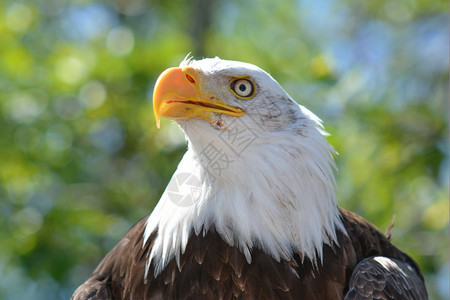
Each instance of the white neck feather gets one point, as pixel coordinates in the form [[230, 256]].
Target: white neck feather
[[274, 192]]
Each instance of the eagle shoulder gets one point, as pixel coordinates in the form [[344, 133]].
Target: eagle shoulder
[[363, 265], [121, 270], [95, 288], [382, 278], [382, 270]]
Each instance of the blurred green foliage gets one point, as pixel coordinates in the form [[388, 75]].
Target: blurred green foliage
[[81, 159]]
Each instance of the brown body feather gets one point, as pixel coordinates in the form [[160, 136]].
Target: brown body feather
[[211, 269]]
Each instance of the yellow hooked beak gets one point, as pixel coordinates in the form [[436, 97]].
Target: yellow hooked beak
[[177, 96]]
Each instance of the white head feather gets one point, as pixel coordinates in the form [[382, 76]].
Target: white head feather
[[262, 180]]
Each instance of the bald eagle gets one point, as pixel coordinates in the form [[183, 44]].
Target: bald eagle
[[251, 211]]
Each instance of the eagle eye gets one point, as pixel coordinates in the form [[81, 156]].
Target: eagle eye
[[243, 88]]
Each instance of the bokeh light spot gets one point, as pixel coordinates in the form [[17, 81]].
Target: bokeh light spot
[[93, 94], [59, 137], [19, 17], [71, 70], [120, 41], [107, 135], [29, 220], [24, 108], [68, 107]]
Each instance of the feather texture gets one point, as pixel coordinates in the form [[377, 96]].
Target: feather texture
[[365, 266]]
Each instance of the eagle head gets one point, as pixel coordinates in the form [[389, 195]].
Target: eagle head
[[220, 92], [258, 169]]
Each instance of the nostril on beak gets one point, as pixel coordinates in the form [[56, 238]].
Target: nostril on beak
[[190, 79]]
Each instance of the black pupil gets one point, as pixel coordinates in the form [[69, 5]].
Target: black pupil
[[242, 87]]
